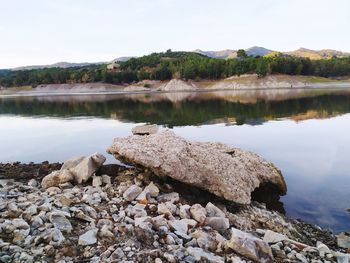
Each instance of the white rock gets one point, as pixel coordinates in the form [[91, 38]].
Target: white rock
[[88, 238], [152, 189], [230, 173], [184, 211], [56, 178], [96, 181], [145, 129], [106, 179], [218, 223], [84, 170], [178, 225], [59, 220], [250, 246], [200, 255], [273, 237], [213, 211], [132, 192], [198, 213]]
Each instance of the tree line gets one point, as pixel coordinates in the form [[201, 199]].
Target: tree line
[[185, 65]]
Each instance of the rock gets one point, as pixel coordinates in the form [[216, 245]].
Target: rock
[[56, 178], [144, 234], [19, 223], [200, 255], [198, 213], [72, 162], [249, 246], [163, 209], [159, 221], [106, 179], [184, 211], [96, 181], [213, 211], [84, 170], [218, 223], [170, 197], [225, 171], [178, 225], [33, 183], [273, 237], [343, 258], [152, 189], [343, 240], [88, 238], [132, 192], [60, 221], [145, 129], [169, 240], [105, 233]]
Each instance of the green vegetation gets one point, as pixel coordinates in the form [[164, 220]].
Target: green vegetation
[[186, 65]]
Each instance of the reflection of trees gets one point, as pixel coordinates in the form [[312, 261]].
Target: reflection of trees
[[187, 112]]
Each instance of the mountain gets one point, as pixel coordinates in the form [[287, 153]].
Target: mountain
[[58, 65], [261, 51], [317, 54], [230, 53], [258, 51], [224, 54]]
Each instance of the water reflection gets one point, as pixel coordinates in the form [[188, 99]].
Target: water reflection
[[191, 108], [305, 133]]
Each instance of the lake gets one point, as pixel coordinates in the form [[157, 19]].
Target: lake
[[304, 132]]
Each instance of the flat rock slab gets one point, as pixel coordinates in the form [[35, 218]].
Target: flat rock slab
[[227, 172]]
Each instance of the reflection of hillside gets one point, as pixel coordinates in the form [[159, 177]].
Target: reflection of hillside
[[194, 108], [311, 114]]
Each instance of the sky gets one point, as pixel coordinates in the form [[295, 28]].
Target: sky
[[39, 32]]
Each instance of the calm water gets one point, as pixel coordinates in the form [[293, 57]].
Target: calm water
[[305, 133]]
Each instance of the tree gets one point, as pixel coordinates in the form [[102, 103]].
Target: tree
[[241, 54]]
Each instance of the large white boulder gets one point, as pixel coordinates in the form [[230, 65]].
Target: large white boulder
[[227, 172]]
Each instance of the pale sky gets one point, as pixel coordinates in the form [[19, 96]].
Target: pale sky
[[34, 32]]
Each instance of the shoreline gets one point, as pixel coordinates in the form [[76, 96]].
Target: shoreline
[[234, 83], [155, 91], [283, 235]]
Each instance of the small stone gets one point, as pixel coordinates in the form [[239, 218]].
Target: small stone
[[152, 189], [250, 246], [145, 129], [170, 197], [163, 209], [169, 240], [96, 181], [343, 240], [88, 238], [132, 192], [273, 237], [218, 223], [59, 220], [33, 183], [301, 257], [184, 211], [198, 213], [213, 211], [178, 225], [106, 179]]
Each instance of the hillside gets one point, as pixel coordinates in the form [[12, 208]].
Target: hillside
[[317, 54]]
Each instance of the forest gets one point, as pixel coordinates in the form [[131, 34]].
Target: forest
[[184, 65]]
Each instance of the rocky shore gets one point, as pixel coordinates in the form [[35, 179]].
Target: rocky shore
[[154, 211]]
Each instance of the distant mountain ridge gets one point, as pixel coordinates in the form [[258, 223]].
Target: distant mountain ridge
[[70, 64], [261, 51], [220, 54]]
